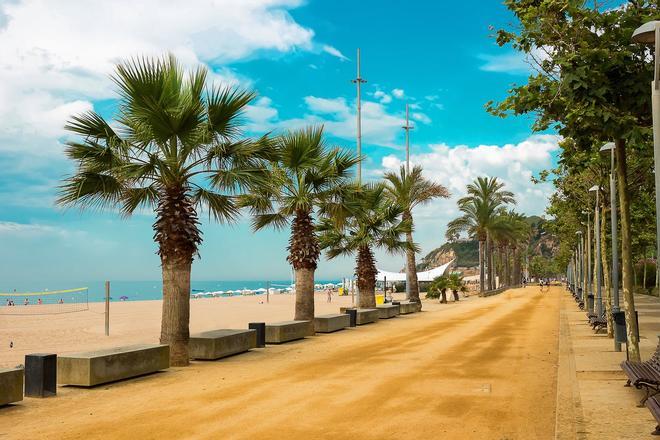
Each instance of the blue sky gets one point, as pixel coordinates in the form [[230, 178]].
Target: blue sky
[[300, 56]]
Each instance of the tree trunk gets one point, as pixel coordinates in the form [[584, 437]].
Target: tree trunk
[[366, 278], [411, 266], [443, 292], [626, 253], [176, 310], [491, 269], [482, 273], [178, 236], [516, 267], [304, 254], [507, 267], [606, 272]]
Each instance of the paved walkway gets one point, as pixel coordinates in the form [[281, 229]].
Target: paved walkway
[[482, 368], [593, 402]]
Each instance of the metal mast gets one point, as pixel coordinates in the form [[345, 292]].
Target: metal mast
[[407, 127], [358, 82]]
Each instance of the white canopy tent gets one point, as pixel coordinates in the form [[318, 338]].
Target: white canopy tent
[[428, 275]]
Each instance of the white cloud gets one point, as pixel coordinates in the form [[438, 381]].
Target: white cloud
[[382, 97], [398, 93], [455, 167], [420, 117], [52, 67], [334, 52], [514, 63]]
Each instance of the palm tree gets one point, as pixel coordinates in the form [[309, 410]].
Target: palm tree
[[410, 189], [176, 146], [308, 176], [456, 283], [371, 221], [480, 210], [438, 289]]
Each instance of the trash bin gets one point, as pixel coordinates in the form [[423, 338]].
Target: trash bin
[[260, 327], [579, 292], [352, 313], [40, 375], [620, 326], [590, 303]]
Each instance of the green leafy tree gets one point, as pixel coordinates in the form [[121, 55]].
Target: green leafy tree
[[176, 146], [591, 85], [411, 189], [438, 289]]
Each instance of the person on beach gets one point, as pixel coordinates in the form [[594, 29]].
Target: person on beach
[[26, 302], [329, 293], [61, 301]]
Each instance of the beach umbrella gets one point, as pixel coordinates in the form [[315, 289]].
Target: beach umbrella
[[123, 298]]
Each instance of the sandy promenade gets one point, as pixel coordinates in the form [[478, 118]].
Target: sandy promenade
[[482, 368]]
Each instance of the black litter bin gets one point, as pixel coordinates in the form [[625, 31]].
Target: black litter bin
[[352, 313], [40, 375], [620, 326], [590, 303], [260, 327]]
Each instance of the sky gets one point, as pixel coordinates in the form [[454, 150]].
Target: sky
[[300, 56]]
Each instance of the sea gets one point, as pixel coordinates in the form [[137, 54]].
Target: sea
[[145, 290]]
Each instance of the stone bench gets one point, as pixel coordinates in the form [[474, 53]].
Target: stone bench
[[217, 344], [386, 311], [408, 307], [280, 332], [11, 385], [96, 367], [331, 323], [364, 316]]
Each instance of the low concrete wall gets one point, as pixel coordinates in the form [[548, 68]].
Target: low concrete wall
[[406, 308], [11, 385], [102, 366], [498, 291], [387, 311], [280, 332], [331, 323], [217, 344], [364, 316]]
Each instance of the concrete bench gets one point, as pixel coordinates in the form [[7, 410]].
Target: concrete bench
[[280, 332], [217, 344], [331, 323], [364, 316], [408, 307], [11, 385], [96, 367], [386, 311]]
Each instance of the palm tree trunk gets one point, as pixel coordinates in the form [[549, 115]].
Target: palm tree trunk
[[366, 277], [178, 235], [304, 253], [482, 272], [606, 272], [411, 266], [626, 253], [491, 269]]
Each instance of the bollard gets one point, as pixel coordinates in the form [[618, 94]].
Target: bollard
[[260, 327], [353, 315], [40, 375]]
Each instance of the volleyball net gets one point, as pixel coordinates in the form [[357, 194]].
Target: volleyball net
[[44, 303]]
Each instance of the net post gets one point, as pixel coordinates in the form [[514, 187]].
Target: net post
[[107, 308]]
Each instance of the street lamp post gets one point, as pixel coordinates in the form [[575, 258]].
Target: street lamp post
[[588, 280], [610, 146], [597, 262], [358, 81], [649, 33]]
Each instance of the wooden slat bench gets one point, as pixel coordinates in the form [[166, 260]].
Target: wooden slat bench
[[386, 311], [644, 374], [217, 344], [281, 332], [331, 323], [102, 366], [654, 406], [11, 385], [598, 323]]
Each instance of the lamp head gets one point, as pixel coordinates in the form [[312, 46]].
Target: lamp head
[[578, 232], [608, 146], [645, 34], [594, 188]]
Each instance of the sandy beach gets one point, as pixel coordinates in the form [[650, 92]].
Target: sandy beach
[[139, 321], [480, 368]]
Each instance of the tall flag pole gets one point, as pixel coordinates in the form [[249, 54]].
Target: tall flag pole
[[358, 82], [407, 127]]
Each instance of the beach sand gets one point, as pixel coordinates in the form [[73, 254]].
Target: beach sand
[[481, 368], [134, 322]]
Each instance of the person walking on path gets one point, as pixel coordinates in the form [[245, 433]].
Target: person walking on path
[[329, 293]]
